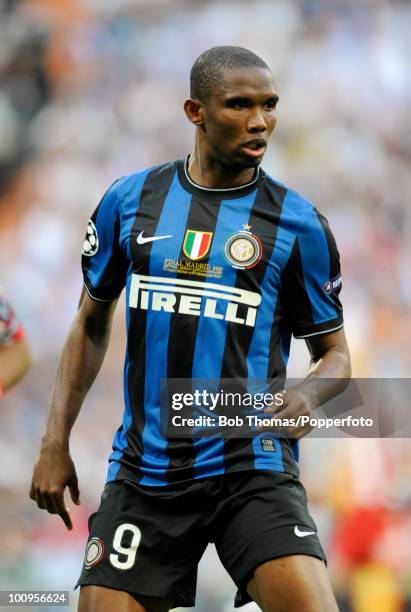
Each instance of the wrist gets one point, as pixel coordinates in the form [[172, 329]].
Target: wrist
[[308, 389], [50, 442]]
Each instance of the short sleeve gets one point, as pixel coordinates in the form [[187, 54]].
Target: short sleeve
[[311, 280], [11, 330], [103, 260]]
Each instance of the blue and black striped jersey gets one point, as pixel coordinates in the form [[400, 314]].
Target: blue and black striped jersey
[[217, 281]]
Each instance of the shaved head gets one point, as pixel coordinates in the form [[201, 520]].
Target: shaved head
[[207, 71]]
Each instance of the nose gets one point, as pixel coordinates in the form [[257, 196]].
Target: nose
[[257, 121]]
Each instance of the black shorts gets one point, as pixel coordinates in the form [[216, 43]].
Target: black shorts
[[148, 540]]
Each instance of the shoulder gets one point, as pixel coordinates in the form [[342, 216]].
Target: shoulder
[[129, 184], [292, 198], [296, 204]]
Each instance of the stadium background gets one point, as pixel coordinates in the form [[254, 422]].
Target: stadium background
[[92, 90]]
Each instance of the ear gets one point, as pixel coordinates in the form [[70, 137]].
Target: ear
[[194, 111]]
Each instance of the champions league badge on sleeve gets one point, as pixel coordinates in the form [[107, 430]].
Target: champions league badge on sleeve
[[90, 246], [333, 285], [243, 250], [94, 552]]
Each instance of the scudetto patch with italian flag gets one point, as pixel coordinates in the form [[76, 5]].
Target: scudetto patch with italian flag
[[197, 244]]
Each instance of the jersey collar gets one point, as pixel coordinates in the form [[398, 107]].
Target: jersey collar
[[225, 193]]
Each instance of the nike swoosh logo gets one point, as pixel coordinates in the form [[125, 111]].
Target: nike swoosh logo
[[302, 534], [142, 240]]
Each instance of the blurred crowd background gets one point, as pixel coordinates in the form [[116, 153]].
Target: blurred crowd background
[[92, 90]]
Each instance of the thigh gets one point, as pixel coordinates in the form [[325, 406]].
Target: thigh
[[102, 599], [263, 516], [145, 543], [297, 582]]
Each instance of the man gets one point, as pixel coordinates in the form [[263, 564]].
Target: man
[[14, 352], [221, 263]]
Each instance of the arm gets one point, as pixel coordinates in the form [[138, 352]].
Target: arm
[[330, 360], [330, 363], [79, 365], [311, 284], [14, 363]]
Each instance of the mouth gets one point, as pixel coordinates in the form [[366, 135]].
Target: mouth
[[255, 147]]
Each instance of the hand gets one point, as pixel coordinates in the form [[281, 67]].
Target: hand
[[53, 472], [296, 403]]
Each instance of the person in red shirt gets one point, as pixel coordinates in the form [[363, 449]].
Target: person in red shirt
[[14, 352]]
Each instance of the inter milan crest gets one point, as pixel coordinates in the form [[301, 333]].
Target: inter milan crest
[[90, 246], [197, 244], [94, 552], [243, 249]]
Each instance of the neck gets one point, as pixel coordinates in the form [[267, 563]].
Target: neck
[[208, 172]]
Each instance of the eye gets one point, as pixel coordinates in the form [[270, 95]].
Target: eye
[[239, 104], [270, 105]]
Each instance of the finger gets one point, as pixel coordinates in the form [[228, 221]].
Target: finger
[[40, 501], [291, 412], [280, 430], [299, 432], [275, 423], [66, 518], [74, 490], [292, 431], [32, 493], [285, 399], [50, 503], [275, 408], [63, 511]]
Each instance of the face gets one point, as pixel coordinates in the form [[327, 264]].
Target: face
[[239, 117]]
